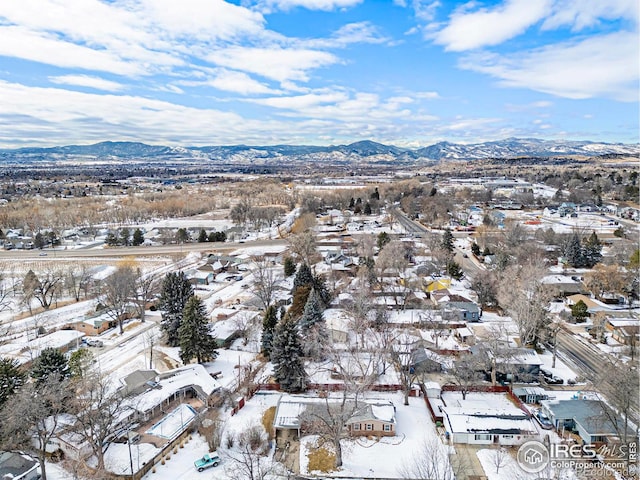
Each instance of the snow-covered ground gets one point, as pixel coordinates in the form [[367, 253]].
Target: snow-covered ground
[[386, 456]]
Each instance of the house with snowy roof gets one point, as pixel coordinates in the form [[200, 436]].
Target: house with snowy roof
[[152, 393], [483, 418], [592, 420], [295, 415]]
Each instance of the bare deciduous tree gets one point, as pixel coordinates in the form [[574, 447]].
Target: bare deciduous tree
[[30, 418], [523, 295], [431, 461], [43, 287], [465, 374], [76, 279], [303, 246], [147, 286], [248, 455], [117, 292], [97, 408], [328, 419], [5, 293], [266, 280]]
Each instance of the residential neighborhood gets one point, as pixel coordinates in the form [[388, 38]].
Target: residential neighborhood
[[325, 342]]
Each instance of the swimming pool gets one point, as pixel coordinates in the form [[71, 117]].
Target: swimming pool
[[174, 423]]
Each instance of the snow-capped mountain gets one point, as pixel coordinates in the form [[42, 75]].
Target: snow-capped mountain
[[368, 151]]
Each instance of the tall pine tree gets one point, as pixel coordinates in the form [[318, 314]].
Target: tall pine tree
[[303, 277], [194, 337], [447, 240], [176, 290], [573, 252], [313, 329], [592, 250], [312, 313], [51, 362], [269, 323], [286, 357], [11, 378]]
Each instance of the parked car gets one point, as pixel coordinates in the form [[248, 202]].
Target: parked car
[[543, 420], [207, 461]]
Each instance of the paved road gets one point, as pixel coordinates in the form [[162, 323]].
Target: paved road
[[160, 250], [409, 225], [589, 361]]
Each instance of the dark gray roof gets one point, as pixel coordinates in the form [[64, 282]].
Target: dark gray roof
[[590, 414], [13, 464]]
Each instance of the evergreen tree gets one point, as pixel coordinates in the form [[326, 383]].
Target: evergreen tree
[[182, 236], [38, 241], [383, 239], [580, 311], [111, 240], [138, 237], [573, 252], [375, 195], [592, 250], [286, 357], [202, 236], [447, 240], [320, 286], [176, 290], [352, 203], [194, 337], [11, 378], [125, 237], [79, 363], [313, 312], [454, 270], [367, 208], [475, 249], [50, 362], [303, 277], [313, 329], [269, 323], [217, 237], [289, 266]]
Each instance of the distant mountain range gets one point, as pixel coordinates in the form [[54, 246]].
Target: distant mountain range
[[359, 151]]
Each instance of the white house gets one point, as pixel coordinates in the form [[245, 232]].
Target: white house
[[485, 419]]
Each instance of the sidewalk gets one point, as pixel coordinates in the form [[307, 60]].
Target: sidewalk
[[466, 465]]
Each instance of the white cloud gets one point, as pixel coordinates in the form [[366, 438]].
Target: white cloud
[[88, 81], [360, 32], [302, 102], [598, 66], [147, 37], [427, 95], [587, 13], [275, 63], [484, 27], [425, 10], [326, 5], [231, 81], [36, 115], [18, 42], [205, 19]]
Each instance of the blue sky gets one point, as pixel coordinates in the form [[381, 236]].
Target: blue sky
[[403, 72]]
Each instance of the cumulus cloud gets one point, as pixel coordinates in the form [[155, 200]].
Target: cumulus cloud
[[278, 64], [598, 66], [485, 27]]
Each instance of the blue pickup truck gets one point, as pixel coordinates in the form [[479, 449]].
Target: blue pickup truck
[[207, 461]]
